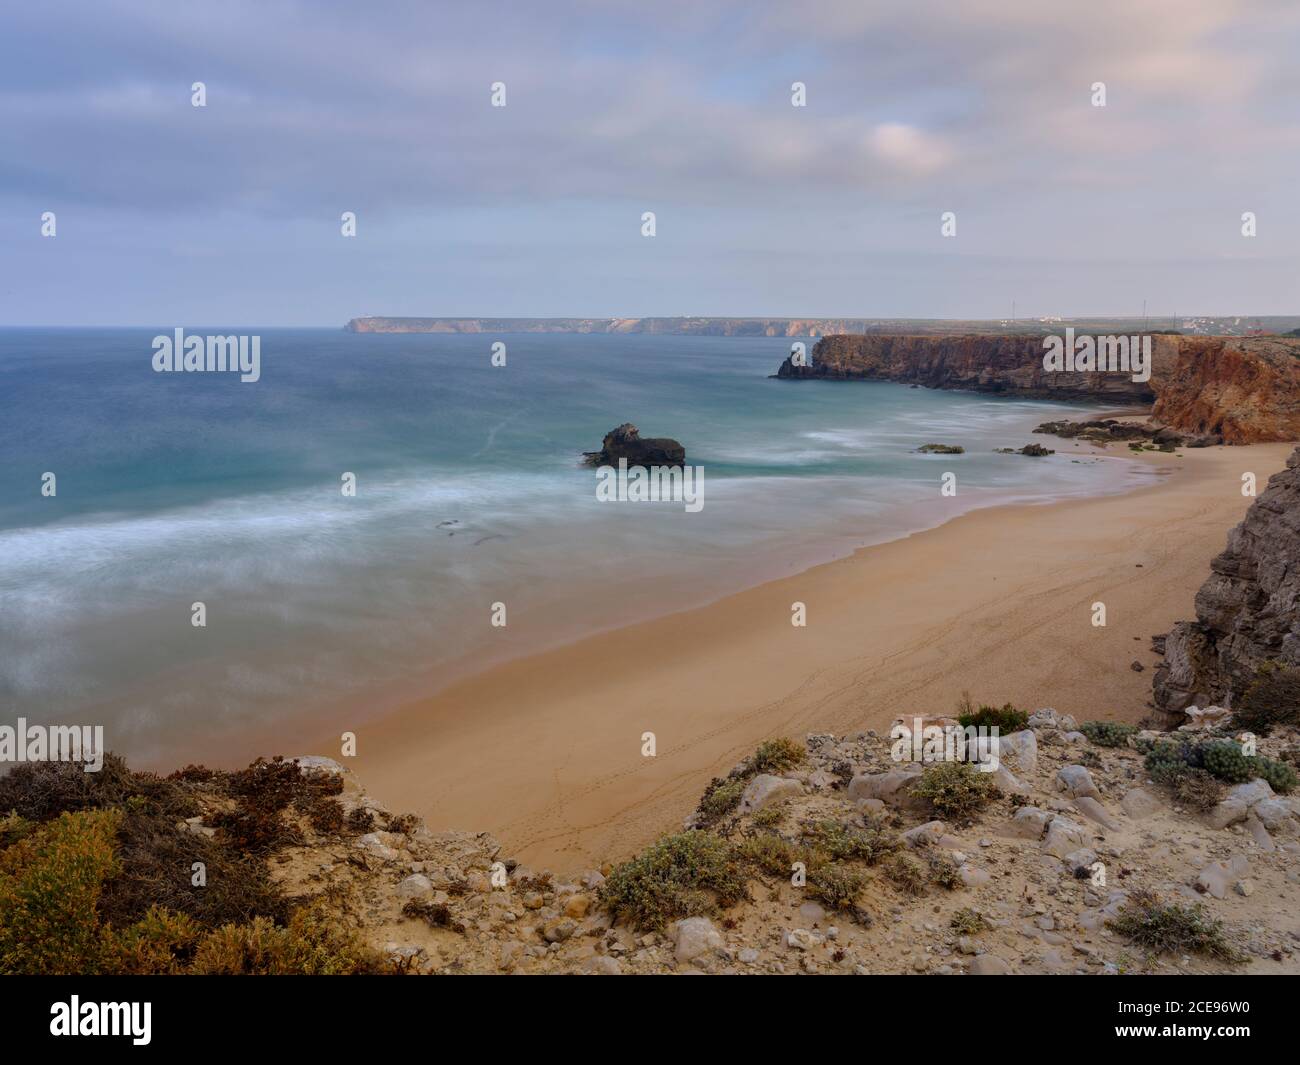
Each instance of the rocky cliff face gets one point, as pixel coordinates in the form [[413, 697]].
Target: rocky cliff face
[[1247, 612], [1240, 389]]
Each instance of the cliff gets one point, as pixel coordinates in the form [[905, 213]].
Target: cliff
[[1239, 389], [1247, 612], [721, 327]]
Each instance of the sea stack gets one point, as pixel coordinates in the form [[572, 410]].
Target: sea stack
[[625, 442]]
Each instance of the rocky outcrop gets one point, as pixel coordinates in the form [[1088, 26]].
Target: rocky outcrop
[[1111, 430], [625, 442], [1247, 612], [1235, 389]]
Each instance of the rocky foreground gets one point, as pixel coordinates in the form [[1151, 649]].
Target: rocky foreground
[[1028, 883]]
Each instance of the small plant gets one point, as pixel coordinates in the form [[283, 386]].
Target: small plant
[[837, 886], [1006, 718], [1226, 761], [1280, 776], [689, 874], [360, 820], [776, 756], [770, 816], [1166, 928], [842, 842], [1272, 699], [907, 874], [773, 855], [721, 797], [955, 789], [1108, 733], [943, 870], [968, 922], [1197, 789]]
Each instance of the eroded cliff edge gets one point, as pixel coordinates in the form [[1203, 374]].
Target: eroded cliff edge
[[1241, 389], [1247, 611]]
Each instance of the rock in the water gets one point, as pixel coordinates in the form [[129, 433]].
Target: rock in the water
[[625, 442]]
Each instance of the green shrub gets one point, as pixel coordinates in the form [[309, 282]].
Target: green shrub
[[773, 855], [1273, 698], [844, 842], [1162, 928], [721, 797], [943, 870], [1280, 776], [955, 789], [160, 943], [50, 883], [907, 874], [1108, 733], [836, 886], [685, 875], [1226, 761], [776, 756], [312, 944], [1006, 718], [968, 922]]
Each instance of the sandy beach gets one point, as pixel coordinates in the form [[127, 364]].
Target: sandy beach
[[545, 752]]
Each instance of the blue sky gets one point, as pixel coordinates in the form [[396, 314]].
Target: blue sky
[[167, 213]]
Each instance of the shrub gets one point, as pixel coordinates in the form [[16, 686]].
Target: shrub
[[770, 816], [772, 854], [721, 797], [1108, 733], [968, 922], [1171, 928], [360, 820], [907, 874], [943, 870], [312, 944], [1273, 698], [41, 791], [836, 886], [1196, 788], [1280, 776], [161, 942], [1007, 718], [327, 817], [955, 789], [776, 756], [685, 875], [50, 883], [1225, 760], [842, 841]]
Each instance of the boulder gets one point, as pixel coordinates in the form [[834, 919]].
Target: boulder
[[890, 787], [1076, 781], [1064, 836], [1094, 811], [693, 937], [1140, 804], [765, 789]]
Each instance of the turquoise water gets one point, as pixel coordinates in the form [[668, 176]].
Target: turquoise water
[[182, 488]]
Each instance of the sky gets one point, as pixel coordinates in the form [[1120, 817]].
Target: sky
[[171, 214]]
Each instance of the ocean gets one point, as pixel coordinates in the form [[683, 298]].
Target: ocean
[[180, 488]]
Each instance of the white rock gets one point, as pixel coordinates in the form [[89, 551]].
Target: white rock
[[765, 789], [1075, 780], [414, 886], [695, 936]]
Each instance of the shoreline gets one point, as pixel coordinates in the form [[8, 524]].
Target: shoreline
[[995, 600]]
